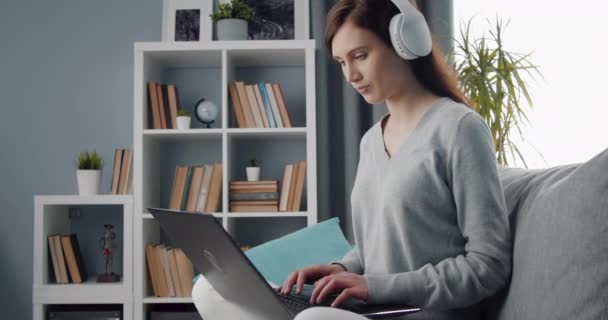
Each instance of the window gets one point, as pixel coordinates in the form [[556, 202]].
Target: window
[[568, 39]]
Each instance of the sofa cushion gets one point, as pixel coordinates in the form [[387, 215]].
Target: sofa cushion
[[559, 221]]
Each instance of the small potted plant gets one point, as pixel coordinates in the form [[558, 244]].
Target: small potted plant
[[253, 169], [232, 20], [183, 119], [88, 174]]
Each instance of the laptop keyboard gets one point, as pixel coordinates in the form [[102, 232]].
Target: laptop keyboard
[[293, 304]]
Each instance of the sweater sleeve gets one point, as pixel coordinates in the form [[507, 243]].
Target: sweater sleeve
[[351, 261], [485, 265]]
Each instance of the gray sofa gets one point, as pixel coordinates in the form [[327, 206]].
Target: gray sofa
[[559, 221]]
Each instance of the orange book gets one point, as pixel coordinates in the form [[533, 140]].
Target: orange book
[[125, 169], [255, 109], [179, 184], [195, 188], [175, 273], [152, 269], [237, 107], [161, 106], [254, 208], [299, 186], [162, 278], [153, 103], [240, 89], [70, 258], [173, 104], [278, 93], [215, 189], [285, 184], [186, 272], [292, 187], [116, 170]]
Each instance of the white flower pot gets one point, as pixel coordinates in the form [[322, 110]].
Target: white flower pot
[[253, 173], [231, 29], [88, 182], [183, 122]]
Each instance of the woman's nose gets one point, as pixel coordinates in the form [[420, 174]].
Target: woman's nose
[[352, 75]]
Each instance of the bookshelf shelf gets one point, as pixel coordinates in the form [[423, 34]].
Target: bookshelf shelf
[[150, 300], [206, 70], [83, 216]]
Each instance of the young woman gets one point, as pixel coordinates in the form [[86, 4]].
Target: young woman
[[429, 215]]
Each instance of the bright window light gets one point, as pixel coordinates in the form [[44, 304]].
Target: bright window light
[[569, 41]]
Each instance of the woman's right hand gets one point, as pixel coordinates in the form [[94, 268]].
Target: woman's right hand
[[309, 275]]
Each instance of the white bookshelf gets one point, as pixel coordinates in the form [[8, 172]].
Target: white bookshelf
[[52, 216], [157, 151]]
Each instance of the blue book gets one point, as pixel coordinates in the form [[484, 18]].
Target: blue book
[[267, 107]]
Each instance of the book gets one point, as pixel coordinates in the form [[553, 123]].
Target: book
[[53, 260], [215, 189], [237, 107], [258, 98], [254, 208], [154, 118], [70, 258], [240, 89], [255, 109], [63, 272], [177, 191], [255, 202], [166, 107], [186, 272], [195, 188], [125, 171], [267, 107], [278, 93], [202, 198], [82, 270], [299, 187], [172, 94], [164, 260], [254, 189], [161, 106], [116, 170], [247, 196], [274, 106], [175, 273], [292, 187], [285, 185], [153, 271], [186, 191], [253, 183]]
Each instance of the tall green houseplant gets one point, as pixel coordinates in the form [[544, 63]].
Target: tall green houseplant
[[492, 77]]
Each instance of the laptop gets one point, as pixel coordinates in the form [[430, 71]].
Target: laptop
[[216, 256]]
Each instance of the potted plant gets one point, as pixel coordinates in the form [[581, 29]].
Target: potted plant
[[253, 169], [492, 77], [88, 174], [232, 20], [183, 119]]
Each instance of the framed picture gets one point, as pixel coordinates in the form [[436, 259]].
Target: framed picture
[[187, 20], [278, 19]]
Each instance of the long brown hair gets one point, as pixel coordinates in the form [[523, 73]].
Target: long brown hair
[[432, 71]]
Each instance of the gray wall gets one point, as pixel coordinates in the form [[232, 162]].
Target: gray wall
[[65, 85]]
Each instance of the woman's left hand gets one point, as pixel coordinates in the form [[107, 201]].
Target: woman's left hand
[[352, 285]]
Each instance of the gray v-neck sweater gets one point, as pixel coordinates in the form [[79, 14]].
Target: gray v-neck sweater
[[430, 222]]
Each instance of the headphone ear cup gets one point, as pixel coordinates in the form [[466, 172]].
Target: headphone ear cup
[[397, 38], [410, 34]]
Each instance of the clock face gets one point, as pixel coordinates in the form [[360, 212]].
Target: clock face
[[206, 111]]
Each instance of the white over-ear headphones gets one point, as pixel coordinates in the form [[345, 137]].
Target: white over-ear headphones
[[409, 32]]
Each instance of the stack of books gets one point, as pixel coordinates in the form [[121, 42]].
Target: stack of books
[[197, 188], [170, 271], [122, 174], [254, 196], [163, 102], [66, 258], [259, 105]]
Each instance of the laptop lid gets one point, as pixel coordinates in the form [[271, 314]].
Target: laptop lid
[[221, 261]]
